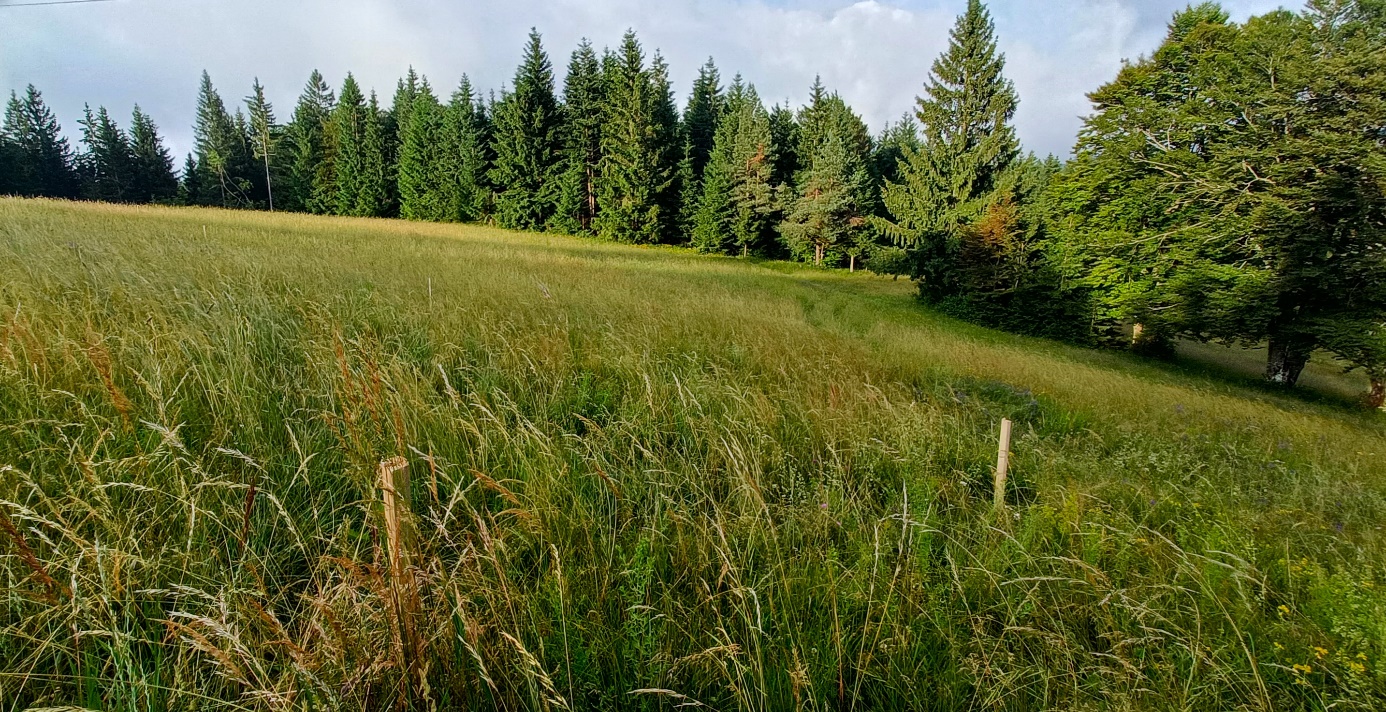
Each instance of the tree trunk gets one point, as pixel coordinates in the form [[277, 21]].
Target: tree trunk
[[1376, 397], [852, 263], [1286, 361]]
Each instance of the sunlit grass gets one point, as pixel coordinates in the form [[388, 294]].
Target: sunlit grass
[[636, 478]]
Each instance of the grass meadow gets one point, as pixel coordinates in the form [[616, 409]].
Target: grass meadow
[[271, 462]]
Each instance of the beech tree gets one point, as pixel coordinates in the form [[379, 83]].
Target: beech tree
[[1232, 186]]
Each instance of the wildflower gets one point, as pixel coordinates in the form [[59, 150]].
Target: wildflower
[[1278, 646], [1319, 652], [1358, 668], [1284, 610], [1302, 669]]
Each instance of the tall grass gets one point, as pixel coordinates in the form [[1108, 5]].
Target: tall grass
[[269, 462]]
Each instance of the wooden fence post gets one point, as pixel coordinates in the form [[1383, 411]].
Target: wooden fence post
[[1003, 461]]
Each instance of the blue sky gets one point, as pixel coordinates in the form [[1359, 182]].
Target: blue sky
[[877, 53]]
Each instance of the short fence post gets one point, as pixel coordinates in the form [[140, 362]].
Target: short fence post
[[1003, 461]]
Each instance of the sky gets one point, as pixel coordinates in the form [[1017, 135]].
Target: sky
[[876, 53]]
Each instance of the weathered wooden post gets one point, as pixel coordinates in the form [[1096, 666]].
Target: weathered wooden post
[[1003, 461]]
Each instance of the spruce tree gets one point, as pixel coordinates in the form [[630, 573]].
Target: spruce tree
[[785, 137], [828, 218], [423, 180], [393, 125], [465, 160], [310, 162], [739, 206], [638, 196], [702, 115], [528, 146], [154, 181], [190, 189], [349, 128], [264, 136], [43, 157], [968, 144], [222, 152], [372, 199], [108, 165], [583, 97]]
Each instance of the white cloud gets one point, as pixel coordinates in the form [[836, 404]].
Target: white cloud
[[877, 53]]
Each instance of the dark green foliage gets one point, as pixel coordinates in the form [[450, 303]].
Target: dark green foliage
[[968, 143], [372, 199], [466, 134], [1231, 186], [583, 110], [528, 145], [42, 160], [223, 151], [702, 115], [827, 116], [153, 181], [265, 136], [108, 164], [309, 182], [828, 218], [190, 188], [637, 195], [739, 207], [423, 159], [349, 128], [785, 136]]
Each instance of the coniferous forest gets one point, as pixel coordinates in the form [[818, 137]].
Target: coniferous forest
[[1228, 187]]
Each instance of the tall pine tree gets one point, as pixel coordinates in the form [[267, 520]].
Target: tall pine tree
[[583, 98], [308, 144], [373, 195], [264, 137], [637, 194], [738, 212], [528, 144], [222, 149], [423, 159], [969, 143], [154, 181], [108, 165], [43, 159], [464, 131], [349, 128]]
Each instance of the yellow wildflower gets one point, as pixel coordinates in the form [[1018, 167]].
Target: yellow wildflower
[[1302, 669]]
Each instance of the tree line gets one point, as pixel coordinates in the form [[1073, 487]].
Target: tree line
[[1230, 186]]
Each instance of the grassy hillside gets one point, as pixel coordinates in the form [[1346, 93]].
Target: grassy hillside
[[636, 478]]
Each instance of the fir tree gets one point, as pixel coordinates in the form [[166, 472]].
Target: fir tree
[[423, 180], [372, 199], [637, 196], [393, 125], [264, 136], [702, 115], [349, 128], [154, 181], [968, 144], [221, 148], [895, 142], [828, 218], [738, 210], [528, 144], [583, 97], [785, 137], [190, 190], [465, 159], [309, 177], [43, 157], [108, 164]]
